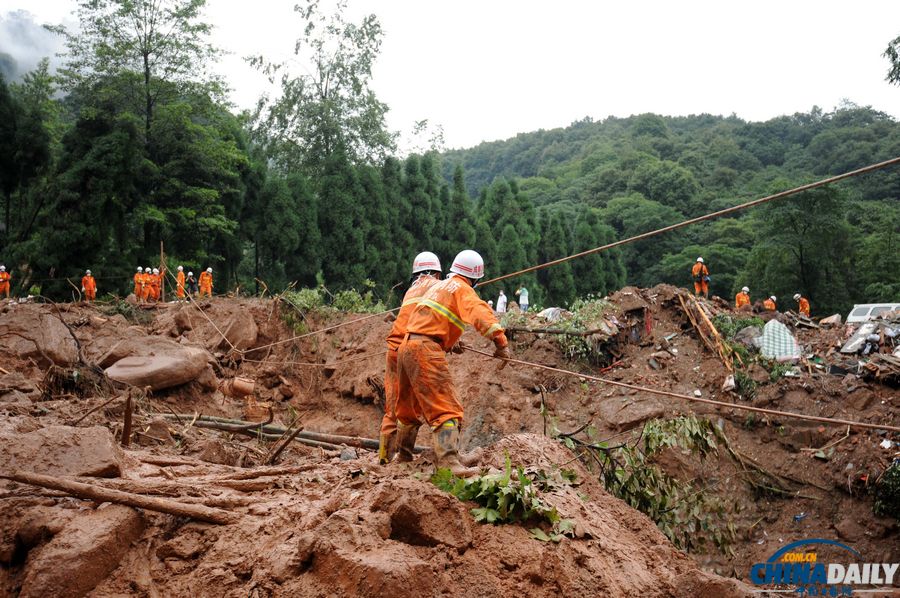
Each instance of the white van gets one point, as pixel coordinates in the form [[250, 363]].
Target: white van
[[869, 311]]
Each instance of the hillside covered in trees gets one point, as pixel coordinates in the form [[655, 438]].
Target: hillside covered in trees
[[133, 144]]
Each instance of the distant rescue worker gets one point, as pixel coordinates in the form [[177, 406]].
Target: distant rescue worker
[[155, 280], [89, 286], [700, 274], [148, 278], [769, 303], [803, 304], [190, 284], [522, 294], [425, 386], [501, 303], [206, 283], [426, 269], [742, 298], [4, 281], [179, 290], [139, 283]]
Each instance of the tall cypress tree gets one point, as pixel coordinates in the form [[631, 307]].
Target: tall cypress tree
[[460, 224], [421, 219], [555, 240], [399, 214], [380, 253], [342, 223]]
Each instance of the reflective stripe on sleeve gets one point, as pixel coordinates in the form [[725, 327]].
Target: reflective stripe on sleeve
[[434, 305]]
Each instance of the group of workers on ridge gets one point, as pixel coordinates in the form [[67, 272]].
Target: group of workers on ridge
[[700, 274], [418, 387], [148, 283]]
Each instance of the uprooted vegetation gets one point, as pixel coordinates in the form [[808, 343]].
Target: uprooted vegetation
[[310, 500]]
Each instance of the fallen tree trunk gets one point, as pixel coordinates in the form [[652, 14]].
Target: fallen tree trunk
[[99, 494]]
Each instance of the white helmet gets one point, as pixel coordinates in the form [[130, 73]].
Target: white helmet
[[700, 259], [88, 272], [797, 297], [209, 270], [773, 298], [745, 289], [2, 268], [426, 262], [469, 264], [190, 273], [156, 270], [180, 268], [147, 268], [140, 269]]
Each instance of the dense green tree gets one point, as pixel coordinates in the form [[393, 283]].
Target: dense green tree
[[558, 281], [598, 273], [162, 42], [329, 105], [342, 224], [460, 221], [892, 53]]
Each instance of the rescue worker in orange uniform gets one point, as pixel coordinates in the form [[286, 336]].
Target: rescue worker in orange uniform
[[148, 278], [179, 290], [425, 385], [89, 286], [769, 304], [803, 304], [4, 281], [206, 283], [742, 298], [139, 283], [700, 274], [153, 285], [426, 269]]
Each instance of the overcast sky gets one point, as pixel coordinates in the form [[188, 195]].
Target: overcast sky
[[489, 69]]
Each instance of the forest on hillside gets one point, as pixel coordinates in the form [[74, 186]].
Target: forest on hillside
[[133, 144]]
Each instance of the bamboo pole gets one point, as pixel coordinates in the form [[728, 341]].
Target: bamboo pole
[[99, 494]]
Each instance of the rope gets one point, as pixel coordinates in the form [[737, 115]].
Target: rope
[[320, 331], [200, 309], [333, 364], [827, 420], [672, 227]]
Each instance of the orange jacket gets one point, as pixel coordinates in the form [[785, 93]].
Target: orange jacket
[[180, 279], [769, 305], [145, 278], [4, 277], [88, 283], [154, 281], [206, 281], [445, 309], [138, 278], [410, 300], [741, 299], [804, 306], [699, 270]]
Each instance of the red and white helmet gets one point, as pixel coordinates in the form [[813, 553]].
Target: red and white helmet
[[469, 264], [426, 262]]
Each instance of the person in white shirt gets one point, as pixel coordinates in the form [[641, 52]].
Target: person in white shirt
[[501, 303]]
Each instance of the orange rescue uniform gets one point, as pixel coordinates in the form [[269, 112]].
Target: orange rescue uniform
[[700, 272], [741, 299], [139, 284], [4, 283], [179, 292], [394, 340], [206, 284], [804, 306], [145, 289], [90, 287], [769, 305], [434, 327]]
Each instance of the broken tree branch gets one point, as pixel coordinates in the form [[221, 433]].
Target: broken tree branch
[[96, 493]]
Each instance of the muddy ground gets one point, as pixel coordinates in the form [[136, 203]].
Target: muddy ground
[[325, 522]]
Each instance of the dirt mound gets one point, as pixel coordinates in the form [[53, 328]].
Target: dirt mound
[[331, 521]]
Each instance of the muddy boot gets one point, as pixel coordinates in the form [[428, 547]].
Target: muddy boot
[[387, 447], [446, 450], [406, 441]]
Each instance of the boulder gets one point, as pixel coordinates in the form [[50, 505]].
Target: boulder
[[240, 332], [624, 415], [173, 366], [61, 451], [88, 549], [39, 336]]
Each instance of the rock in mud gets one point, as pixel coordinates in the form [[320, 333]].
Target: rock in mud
[[88, 549], [62, 451], [430, 520], [39, 336], [175, 366], [240, 332]]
